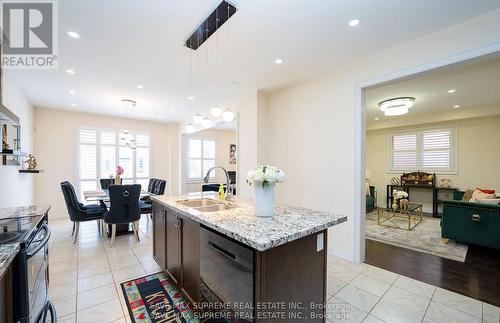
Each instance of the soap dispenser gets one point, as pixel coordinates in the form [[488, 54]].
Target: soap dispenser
[[221, 192]]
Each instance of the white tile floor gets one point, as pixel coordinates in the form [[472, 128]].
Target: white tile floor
[[85, 284]]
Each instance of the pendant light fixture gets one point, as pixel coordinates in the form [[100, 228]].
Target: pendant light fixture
[[216, 110], [189, 126], [198, 118], [206, 122], [228, 114]]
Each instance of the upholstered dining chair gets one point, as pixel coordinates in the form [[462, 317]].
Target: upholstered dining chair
[[157, 187], [78, 212], [106, 182], [124, 209]]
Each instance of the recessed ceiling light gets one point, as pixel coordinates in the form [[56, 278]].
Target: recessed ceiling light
[[72, 34], [456, 106], [71, 92], [452, 91], [377, 119], [69, 71], [354, 22], [278, 61], [190, 98], [159, 117], [73, 105], [139, 86]]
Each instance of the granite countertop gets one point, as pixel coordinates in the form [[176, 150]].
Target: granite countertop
[[23, 211], [289, 222], [7, 253]]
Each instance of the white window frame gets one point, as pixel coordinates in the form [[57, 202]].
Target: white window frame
[[202, 158], [419, 132], [117, 146]]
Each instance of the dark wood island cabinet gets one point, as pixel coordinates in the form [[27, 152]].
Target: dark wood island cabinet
[[238, 267]]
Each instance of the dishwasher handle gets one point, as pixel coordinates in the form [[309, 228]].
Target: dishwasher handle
[[222, 251]]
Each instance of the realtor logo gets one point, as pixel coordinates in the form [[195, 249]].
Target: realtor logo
[[29, 34]]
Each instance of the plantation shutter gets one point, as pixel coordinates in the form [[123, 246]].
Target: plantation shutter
[[426, 150], [404, 151]]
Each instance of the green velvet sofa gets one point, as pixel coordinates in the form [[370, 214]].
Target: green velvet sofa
[[471, 223], [371, 200]]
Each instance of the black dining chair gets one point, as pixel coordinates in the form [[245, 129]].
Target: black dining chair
[[124, 209], [78, 212], [155, 187], [106, 182]]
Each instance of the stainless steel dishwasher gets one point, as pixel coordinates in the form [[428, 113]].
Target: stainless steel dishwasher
[[227, 273]]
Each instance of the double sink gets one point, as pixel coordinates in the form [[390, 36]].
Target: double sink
[[207, 205]]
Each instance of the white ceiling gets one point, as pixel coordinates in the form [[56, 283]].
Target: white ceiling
[[125, 43], [476, 83]]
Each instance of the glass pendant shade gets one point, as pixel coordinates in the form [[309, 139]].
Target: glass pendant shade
[[190, 127], [198, 118], [216, 111], [228, 115], [206, 123]]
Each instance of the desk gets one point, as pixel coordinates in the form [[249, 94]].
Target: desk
[[407, 188]]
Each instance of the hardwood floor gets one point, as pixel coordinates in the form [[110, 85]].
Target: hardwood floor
[[477, 277]]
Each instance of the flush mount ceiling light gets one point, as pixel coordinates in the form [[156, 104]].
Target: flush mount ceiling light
[[72, 105], [354, 22], [456, 106], [377, 119], [70, 71], [452, 91], [396, 106], [216, 111], [139, 86], [74, 35], [71, 92], [278, 61], [190, 98]]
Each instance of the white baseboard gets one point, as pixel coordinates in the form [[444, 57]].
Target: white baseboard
[[341, 254]]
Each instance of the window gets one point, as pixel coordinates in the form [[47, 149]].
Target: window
[[101, 149], [201, 157], [426, 150]]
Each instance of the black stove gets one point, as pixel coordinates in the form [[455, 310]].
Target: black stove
[[30, 267]]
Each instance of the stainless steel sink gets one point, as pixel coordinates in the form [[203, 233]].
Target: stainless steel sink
[[198, 202], [216, 207]]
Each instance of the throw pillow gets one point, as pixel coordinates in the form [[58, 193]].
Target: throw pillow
[[486, 191], [489, 201], [467, 196], [479, 195]]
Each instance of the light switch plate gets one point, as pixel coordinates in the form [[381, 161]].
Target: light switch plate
[[320, 242]]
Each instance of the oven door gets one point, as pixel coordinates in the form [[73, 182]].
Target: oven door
[[37, 274]]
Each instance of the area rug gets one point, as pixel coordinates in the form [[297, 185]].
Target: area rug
[[425, 237], [155, 298]]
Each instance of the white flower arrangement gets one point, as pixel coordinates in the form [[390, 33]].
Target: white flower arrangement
[[399, 194], [265, 174]]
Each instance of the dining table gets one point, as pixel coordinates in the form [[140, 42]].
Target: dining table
[[102, 196]]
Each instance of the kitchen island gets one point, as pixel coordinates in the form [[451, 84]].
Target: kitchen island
[[271, 268]]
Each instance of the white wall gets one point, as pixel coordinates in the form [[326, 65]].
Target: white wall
[[17, 189], [222, 138], [478, 157], [311, 125], [56, 149]]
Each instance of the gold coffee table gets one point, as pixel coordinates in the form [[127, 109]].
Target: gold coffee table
[[407, 218]]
